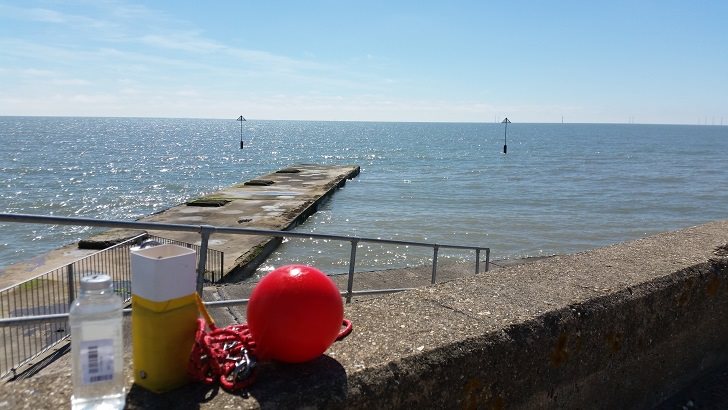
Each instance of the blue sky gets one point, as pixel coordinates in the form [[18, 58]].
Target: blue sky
[[477, 61]]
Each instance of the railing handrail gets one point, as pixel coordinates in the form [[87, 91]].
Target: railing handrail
[[204, 231], [10, 321], [158, 226], [122, 243]]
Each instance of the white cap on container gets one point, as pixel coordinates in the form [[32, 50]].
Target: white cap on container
[[163, 272], [96, 281]]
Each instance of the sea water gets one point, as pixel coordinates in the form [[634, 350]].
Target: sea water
[[561, 188]]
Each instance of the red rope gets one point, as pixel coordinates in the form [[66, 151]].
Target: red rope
[[227, 354], [224, 354], [345, 332]]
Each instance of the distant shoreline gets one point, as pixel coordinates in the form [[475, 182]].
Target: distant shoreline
[[360, 121]]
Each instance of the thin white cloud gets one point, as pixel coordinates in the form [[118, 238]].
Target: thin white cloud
[[115, 44], [130, 11], [131, 91], [43, 76], [35, 72], [33, 51], [194, 43], [181, 41], [147, 60], [274, 60], [70, 81], [44, 15], [191, 102], [187, 93], [91, 98]]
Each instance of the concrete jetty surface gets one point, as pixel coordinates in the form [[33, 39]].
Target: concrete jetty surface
[[276, 201], [624, 326]]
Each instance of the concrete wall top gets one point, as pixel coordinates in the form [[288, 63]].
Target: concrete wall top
[[556, 333]]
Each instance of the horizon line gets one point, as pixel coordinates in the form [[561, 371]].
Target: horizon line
[[364, 121]]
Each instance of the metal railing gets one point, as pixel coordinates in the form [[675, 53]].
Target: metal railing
[[51, 293], [32, 322]]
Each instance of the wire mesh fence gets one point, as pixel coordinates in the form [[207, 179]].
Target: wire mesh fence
[[54, 291], [29, 329]]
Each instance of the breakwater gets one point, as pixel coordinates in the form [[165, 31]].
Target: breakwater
[[275, 201], [279, 200]]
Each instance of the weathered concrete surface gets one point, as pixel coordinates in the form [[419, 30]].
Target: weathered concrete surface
[[624, 326], [287, 197], [399, 278], [288, 200]]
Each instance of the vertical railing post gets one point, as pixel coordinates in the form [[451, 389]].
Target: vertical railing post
[[352, 262], [71, 285], [434, 263], [487, 259], [477, 261], [222, 265], [205, 232]]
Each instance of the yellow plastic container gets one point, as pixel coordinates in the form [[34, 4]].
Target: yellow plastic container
[[163, 334], [164, 315]]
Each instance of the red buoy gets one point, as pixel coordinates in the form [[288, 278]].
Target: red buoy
[[294, 314]]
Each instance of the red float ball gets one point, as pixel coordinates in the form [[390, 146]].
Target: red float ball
[[294, 314]]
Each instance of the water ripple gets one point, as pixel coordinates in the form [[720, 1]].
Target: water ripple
[[561, 188]]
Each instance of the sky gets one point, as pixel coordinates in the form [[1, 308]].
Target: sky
[[613, 61]]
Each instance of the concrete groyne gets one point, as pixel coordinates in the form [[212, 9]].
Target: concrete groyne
[[625, 326], [279, 200]]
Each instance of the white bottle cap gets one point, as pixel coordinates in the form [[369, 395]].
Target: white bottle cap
[[96, 281]]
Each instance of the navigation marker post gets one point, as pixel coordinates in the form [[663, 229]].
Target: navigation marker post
[[505, 135], [241, 119]]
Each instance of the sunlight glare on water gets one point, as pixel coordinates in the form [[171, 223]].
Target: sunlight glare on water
[[561, 188]]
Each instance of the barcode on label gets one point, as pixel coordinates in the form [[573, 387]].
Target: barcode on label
[[97, 360], [93, 359], [101, 378]]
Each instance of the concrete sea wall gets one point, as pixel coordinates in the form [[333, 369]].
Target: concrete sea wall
[[625, 326], [630, 349]]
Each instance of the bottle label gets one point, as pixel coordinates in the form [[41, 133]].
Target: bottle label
[[97, 360]]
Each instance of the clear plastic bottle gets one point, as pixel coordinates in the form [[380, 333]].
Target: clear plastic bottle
[[97, 346]]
